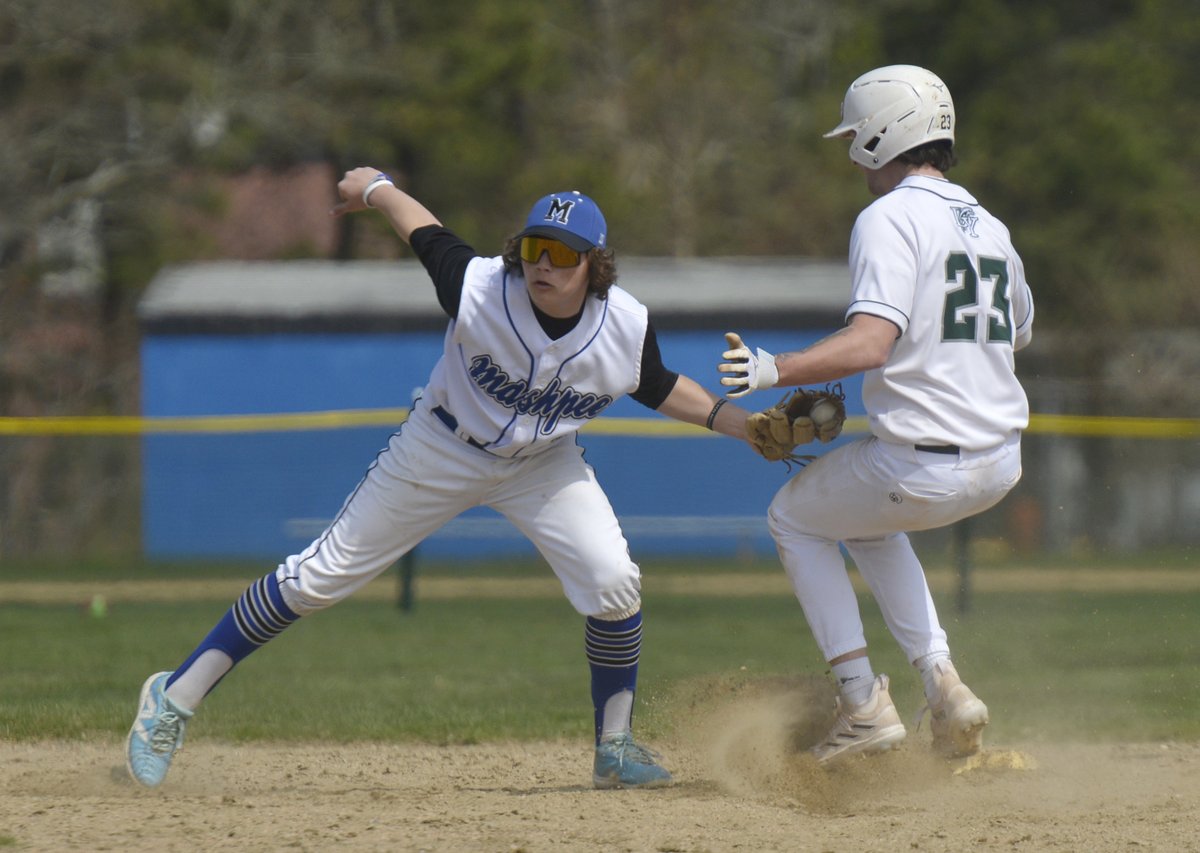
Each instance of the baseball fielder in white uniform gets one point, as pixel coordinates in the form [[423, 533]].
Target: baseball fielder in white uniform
[[540, 341], [939, 303]]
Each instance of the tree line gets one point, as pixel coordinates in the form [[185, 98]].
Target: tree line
[[697, 123]]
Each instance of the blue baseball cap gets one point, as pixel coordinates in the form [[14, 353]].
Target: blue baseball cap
[[570, 217]]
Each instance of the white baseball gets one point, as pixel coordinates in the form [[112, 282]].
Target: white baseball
[[822, 412]]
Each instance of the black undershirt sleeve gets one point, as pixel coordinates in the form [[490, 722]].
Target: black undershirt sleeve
[[657, 382], [445, 257]]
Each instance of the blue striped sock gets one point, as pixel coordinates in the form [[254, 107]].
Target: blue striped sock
[[613, 649], [259, 615]]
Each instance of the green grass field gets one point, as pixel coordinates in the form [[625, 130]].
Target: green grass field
[[1114, 666]]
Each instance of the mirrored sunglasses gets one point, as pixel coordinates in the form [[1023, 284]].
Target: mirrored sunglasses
[[561, 255]]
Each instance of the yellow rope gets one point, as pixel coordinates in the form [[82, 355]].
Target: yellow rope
[[1078, 425]]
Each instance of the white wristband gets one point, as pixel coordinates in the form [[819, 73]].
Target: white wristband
[[376, 182]]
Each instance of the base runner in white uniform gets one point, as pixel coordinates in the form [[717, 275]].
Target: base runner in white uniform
[[938, 304], [540, 341]]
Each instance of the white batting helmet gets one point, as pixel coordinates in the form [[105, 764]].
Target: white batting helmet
[[893, 109]]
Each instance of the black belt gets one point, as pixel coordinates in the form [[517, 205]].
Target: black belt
[[948, 449], [452, 423]]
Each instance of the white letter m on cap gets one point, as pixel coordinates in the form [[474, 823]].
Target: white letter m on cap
[[560, 211]]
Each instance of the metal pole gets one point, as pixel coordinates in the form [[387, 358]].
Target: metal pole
[[408, 571], [962, 560]]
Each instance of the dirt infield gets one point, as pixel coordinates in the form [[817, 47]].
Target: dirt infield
[[742, 785], [743, 779]]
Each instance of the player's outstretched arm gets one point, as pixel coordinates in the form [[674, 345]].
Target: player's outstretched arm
[[865, 343], [367, 186], [690, 403]]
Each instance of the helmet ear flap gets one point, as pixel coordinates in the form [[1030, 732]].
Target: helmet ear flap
[[874, 142]]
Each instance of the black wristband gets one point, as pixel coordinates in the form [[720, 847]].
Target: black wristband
[[712, 416]]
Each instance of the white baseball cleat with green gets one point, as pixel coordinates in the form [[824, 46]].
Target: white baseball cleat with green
[[156, 734], [873, 726]]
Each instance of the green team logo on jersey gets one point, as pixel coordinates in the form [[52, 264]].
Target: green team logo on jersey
[[966, 219]]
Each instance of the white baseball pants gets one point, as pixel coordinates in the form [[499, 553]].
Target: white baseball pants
[[866, 494], [426, 476]]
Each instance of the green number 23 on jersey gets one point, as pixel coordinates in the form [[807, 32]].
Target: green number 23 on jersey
[[966, 295]]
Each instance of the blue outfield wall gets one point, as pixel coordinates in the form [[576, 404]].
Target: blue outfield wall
[[266, 495]]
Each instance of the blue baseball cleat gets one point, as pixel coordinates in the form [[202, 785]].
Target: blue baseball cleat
[[621, 763], [156, 734]]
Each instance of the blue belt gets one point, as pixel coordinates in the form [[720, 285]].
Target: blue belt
[[451, 423], [948, 449]]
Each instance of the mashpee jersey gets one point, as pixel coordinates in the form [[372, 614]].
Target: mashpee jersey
[[514, 390], [929, 258]]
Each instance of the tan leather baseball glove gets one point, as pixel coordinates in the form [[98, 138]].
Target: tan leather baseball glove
[[802, 416]]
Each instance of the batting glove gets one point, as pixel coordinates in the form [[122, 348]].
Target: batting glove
[[746, 371]]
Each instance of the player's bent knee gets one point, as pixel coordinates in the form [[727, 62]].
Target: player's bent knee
[[778, 522]]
